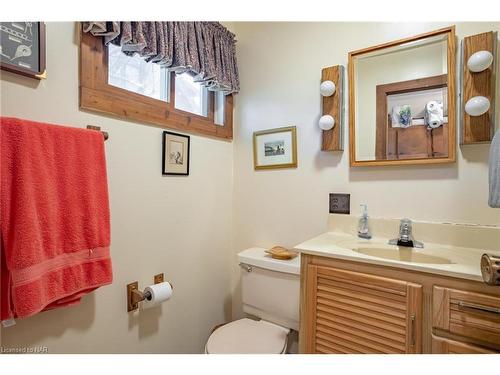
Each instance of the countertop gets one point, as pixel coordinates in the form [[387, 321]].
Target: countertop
[[463, 262]]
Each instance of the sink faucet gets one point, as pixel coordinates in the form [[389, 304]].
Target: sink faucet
[[405, 236]]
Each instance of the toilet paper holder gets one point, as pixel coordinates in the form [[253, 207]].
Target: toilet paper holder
[[134, 295]]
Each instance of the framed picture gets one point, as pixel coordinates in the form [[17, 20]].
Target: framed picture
[[175, 154], [275, 148], [22, 48]]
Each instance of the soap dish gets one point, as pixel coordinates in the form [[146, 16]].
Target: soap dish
[[279, 252]]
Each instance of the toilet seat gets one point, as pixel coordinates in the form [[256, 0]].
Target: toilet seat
[[247, 336]]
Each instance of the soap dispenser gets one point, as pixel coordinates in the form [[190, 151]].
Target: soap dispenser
[[363, 227]]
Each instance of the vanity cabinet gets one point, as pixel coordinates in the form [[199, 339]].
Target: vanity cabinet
[[353, 307]]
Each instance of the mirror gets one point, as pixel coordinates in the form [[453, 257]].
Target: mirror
[[402, 101]]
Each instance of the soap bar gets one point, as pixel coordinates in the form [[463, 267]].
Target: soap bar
[[279, 252]]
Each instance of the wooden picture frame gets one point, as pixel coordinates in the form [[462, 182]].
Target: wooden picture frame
[[451, 52], [13, 30], [175, 154], [281, 149]]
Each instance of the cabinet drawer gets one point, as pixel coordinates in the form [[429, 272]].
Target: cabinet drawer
[[440, 345], [471, 315]]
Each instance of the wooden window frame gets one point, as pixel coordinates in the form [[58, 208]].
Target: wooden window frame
[[99, 96]]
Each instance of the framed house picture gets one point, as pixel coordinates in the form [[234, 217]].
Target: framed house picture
[[275, 148], [22, 48], [175, 160]]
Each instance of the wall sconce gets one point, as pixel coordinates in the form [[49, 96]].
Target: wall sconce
[[479, 58], [332, 106], [326, 122], [477, 106], [327, 88], [480, 61]]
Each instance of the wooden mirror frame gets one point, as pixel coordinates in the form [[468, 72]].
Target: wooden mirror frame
[[451, 56]]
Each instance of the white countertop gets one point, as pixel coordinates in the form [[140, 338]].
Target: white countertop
[[464, 262]]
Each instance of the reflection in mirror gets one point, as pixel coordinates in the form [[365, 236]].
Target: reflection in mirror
[[400, 101]]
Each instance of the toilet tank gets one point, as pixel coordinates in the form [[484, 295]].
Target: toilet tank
[[270, 288]]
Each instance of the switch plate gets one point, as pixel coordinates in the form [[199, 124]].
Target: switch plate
[[340, 203]]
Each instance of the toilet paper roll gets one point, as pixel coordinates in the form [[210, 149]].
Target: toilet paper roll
[[158, 293]]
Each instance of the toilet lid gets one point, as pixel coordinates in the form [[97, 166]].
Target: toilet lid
[[247, 336]]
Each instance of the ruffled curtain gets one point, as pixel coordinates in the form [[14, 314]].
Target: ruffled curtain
[[207, 49]]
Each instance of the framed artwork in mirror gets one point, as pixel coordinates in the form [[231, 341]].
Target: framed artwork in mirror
[[22, 48], [175, 154], [402, 101], [275, 148]]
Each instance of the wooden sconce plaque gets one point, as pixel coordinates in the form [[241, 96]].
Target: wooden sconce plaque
[[333, 106], [478, 129]]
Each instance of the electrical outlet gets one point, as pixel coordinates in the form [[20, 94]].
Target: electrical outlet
[[340, 203]]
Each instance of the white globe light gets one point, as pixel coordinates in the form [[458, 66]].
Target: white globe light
[[327, 88], [477, 106], [480, 61], [326, 122]]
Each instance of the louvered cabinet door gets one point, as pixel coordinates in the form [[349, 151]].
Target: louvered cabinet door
[[351, 312]]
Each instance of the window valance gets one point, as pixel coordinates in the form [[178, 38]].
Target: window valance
[[207, 49]]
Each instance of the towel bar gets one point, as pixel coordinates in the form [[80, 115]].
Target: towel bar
[[104, 134]]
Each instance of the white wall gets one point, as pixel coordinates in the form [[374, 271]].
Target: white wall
[[177, 225], [280, 69]]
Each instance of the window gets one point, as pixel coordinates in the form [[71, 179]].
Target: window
[[129, 87], [134, 74], [190, 96]]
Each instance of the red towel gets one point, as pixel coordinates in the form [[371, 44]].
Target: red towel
[[54, 216]]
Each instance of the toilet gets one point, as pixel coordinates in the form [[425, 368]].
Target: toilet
[[270, 291]]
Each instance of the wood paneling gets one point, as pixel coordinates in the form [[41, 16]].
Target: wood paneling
[[416, 142], [451, 157], [478, 129], [333, 106], [98, 96]]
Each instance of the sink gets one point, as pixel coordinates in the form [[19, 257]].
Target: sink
[[402, 254]]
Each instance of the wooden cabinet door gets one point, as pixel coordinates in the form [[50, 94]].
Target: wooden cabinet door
[[470, 315], [440, 345], [350, 312]]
